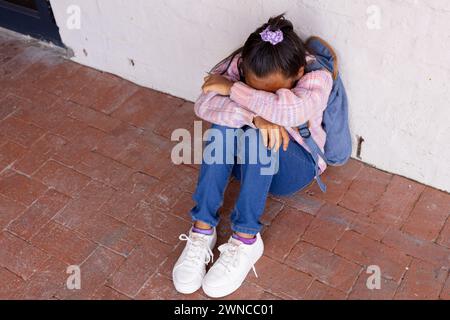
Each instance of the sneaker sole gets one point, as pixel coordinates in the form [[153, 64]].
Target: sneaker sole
[[187, 289], [223, 292]]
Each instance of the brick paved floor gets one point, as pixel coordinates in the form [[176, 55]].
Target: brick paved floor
[[85, 179]]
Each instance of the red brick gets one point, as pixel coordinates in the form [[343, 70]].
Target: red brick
[[143, 108], [320, 291], [273, 208], [367, 252], [109, 102], [369, 227], [74, 81], [20, 188], [12, 285], [103, 85], [10, 104], [397, 202], [89, 138], [39, 153], [429, 215], [184, 177], [444, 237], [361, 292], [69, 128], [157, 143], [20, 132], [337, 179], [268, 296], [104, 169], [230, 197], [106, 94], [44, 115], [62, 178], [113, 144], [139, 266], [280, 279], [110, 233], [107, 293], [94, 272], [39, 214], [159, 224], [284, 233], [324, 265], [85, 204], [19, 256], [146, 159], [323, 233], [139, 183], [47, 282], [159, 287], [358, 222], [82, 139], [303, 202], [71, 154], [164, 196], [184, 206], [37, 69], [11, 48], [55, 81], [167, 265], [3, 140], [20, 62], [121, 204], [63, 243], [337, 215], [445, 293], [182, 118], [92, 117], [357, 198], [418, 248], [423, 281], [9, 210], [247, 291]]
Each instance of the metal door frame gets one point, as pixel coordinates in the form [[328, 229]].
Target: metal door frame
[[38, 23]]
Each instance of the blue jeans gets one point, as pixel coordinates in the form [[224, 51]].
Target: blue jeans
[[295, 170]]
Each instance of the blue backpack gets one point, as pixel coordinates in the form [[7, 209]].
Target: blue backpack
[[338, 146]]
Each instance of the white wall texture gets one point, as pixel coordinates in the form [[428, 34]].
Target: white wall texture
[[397, 77]]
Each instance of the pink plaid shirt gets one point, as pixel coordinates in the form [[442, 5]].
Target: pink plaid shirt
[[288, 108]]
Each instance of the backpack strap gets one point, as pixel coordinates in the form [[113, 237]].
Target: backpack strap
[[324, 52], [305, 133]]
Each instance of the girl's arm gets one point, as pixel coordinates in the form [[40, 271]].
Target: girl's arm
[[221, 110], [288, 108]]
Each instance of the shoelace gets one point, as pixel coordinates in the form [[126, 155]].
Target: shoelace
[[230, 254], [197, 247]]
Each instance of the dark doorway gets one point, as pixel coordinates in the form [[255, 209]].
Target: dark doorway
[[30, 17]]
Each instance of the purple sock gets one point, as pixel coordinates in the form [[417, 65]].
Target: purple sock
[[244, 240], [208, 232]]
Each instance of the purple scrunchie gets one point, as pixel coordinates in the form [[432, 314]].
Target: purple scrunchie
[[274, 37]]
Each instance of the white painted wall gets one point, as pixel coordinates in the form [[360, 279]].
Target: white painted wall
[[398, 77]]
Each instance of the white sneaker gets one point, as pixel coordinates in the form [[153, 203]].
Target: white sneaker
[[190, 267], [230, 270]]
